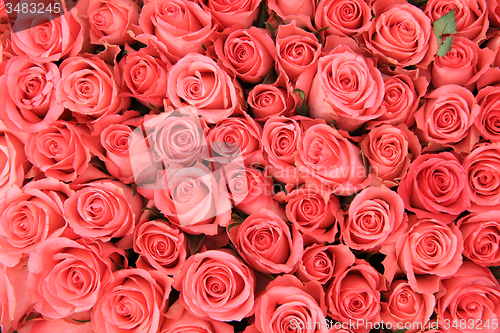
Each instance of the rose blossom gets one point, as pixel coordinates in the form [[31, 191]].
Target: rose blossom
[[270, 100], [434, 187], [133, 300], [325, 156], [428, 251], [197, 80], [40, 325], [488, 120], [267, 243], [390, 150], [343, 18], [216, 285], [13, 162], [229, 13], [302, 11], [348, 88], [29, 102]]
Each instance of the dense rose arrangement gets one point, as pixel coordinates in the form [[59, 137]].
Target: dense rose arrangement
[[253, 166]]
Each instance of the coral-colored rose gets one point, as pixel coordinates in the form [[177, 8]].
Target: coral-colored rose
[[194, 200], [29, 102], [29, 216], [327, 159], [416, 43], [66, 276], [343, 18], [59, 151], [302, 11], [403, 305], [348, 88], [160, 246], [428, 251], [462, 65], [267, 243], [471, 16], [447, 116], [288, 305], [103, 209], [134, 301], [110, 21], [269, 100], [390, 150], [197, 80], [229, 13], [247, 53], [488, 120], [472, 295], [355, 294], [41, 325], [216, 285], [182, 25], [375, 217], [482, 168], [435, 187], [90, 88], [322, 262], [315, 214], [481, 233], [13, 162]]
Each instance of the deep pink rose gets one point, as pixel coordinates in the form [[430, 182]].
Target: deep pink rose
[[343, 18], [13, 162], [229, 13], [488, 120], [302, 11], [216, 285]]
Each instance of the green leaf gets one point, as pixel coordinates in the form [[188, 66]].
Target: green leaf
[[134, 189], [302, 94], [445, 47], [402, 330], [303, 110], [203, 46], [82, 321], [231, 226], [32, 316], [153, 107], [445, 25], [271, 30]]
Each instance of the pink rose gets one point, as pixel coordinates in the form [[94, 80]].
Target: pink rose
[[348, 88], [267, 243], [182, 25], [343, 18], [134, 300], [59, 151], [270, 100], [13, 162], [442, 195], [389, 151], [247, 53], [66, 276], [229, 13], [216, 285], [428, 251], [197, 80], [29, 102], [488, 119], [42, 325], [160, 246], [302, 11], [110, 21], [327, 159]]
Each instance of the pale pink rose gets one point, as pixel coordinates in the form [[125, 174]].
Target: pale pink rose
[[216, 285], [267, 243], [348, 89], [472, 294], [343, 18], [322, 262], [435, 187], [488, 120], [182, 25], [110, 21], [134, 300], [403, 305], [90, 88], [58, 150], [29, 216], [329, 161], [389, 150], [197, 80], [471, 16], [160, 246], [13, 162], [302, 11], [481, 233], [429, 251], [270, 100], [229, 13], [29, 101], [247, 53], [66, 276]]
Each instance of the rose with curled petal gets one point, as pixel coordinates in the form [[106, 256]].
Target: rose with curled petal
[[302, 11], [216, 285], [348, 88], [435, 187], [29, 103], [197, 80], [31, 215], [429, 251], [160, 246], [269, 100], [229, 13], [322, 262], [343, 18], [66, 276], [40, 324], [267, 243], [488, 120], [134, 300]]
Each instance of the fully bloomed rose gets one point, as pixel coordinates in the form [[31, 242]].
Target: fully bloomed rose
[[29, 102], [343, 18], [13, 162], [216, 285], [229, 13], [443, 194], [488, 120]]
